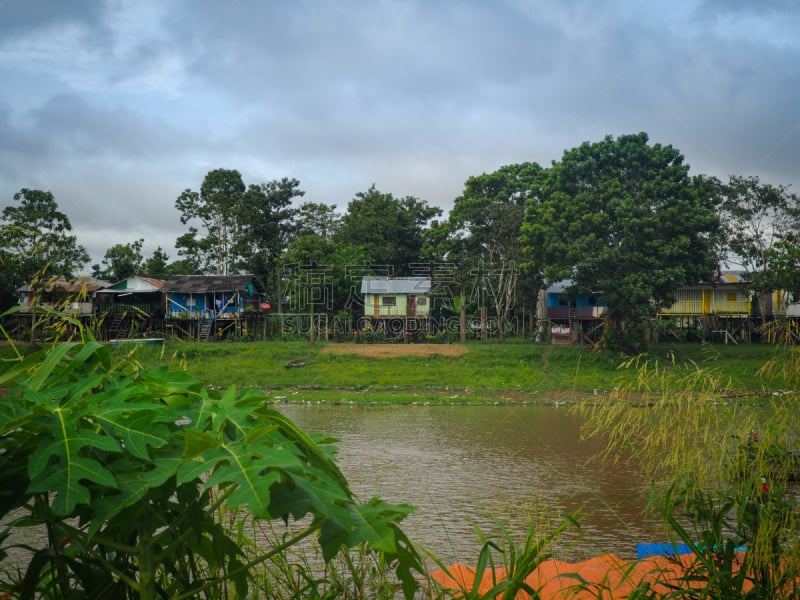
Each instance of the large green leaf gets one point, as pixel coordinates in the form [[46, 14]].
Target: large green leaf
[[137, 427], [62, 462], [375, 523]]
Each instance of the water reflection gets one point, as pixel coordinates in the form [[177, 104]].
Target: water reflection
[[466, 466]]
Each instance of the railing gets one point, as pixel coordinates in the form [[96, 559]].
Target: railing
[[144, 307], [717, 307], [725, 307], [83, 309], [580, 312], [684, 307]]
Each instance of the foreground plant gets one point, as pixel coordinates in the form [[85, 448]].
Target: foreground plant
[[725, 472], [120, 473]]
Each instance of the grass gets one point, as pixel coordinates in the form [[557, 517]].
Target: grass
[[488, 372]]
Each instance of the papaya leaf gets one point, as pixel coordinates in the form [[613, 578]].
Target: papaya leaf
[[375, 523], [251, 468], [134, 481], [61, 461], [138, 429], [310, 449], [173, 388], [68, 486]]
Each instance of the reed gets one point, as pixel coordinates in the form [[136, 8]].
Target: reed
[[725, 469]]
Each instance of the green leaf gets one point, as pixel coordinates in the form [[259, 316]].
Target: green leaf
[[61, 463], [138, 429], [375, 523]]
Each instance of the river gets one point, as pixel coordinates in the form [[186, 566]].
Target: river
[[468, 466]]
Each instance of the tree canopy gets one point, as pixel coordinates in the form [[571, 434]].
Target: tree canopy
[[36, 242], [388, 229], [761, 222], [485, 226], [624, 218], [621, 217], [217, 208]]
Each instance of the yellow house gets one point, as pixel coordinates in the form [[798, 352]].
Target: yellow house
[[720, 310], [728, 296]]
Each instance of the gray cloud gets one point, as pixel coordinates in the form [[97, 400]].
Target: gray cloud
[[117, 107]]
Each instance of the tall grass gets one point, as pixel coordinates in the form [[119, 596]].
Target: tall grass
[[725, 469]]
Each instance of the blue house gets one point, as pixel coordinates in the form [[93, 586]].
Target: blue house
[[568, 316], [198, 305]]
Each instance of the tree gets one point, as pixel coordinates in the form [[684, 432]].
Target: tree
[[388, 229], [623, 218], [245, 229], [756, 218], [316, 218], [265, 223], [217, 207], [120, 262], [157, 265], [36, 242], [488, 217]]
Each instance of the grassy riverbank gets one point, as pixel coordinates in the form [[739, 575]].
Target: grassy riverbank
[[483, 372]]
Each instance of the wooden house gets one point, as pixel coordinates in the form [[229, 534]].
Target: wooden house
[[130, 307], [567, 316], [75, 297], [720, 309], [202, 306], [396, 305]]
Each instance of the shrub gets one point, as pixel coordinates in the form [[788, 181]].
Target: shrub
[[125, 470]]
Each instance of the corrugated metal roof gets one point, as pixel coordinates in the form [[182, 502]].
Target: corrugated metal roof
[[200, 284], [84, 282], [134, 284], [379, 284]]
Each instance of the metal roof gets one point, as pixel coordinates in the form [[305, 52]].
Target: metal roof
[[201, 284], [84, 282], [380, 284], [134, 284]]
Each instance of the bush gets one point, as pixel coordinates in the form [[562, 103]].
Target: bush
[[126, 470]]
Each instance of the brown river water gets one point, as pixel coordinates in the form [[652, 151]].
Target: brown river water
[[464, 467]]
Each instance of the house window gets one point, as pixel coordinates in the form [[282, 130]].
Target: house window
[[389, 301], [592, 301], [731, 296], [422, 301]]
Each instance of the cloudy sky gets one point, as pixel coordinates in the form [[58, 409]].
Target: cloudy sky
[[117, 106]]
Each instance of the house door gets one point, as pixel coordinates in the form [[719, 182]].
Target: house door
[[411, 305]]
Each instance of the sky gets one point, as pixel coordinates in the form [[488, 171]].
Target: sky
[[117, 106]]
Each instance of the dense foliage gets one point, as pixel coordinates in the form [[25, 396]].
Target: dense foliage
[[624, 218], [36, 243], [125, 475]]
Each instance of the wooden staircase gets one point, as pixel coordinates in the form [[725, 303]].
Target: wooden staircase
[[116, 328], [204, 330]]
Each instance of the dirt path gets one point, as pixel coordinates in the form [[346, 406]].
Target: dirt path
[[393, 350]]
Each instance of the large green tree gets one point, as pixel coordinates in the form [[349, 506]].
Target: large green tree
[[388, 229], [237, 228], [319, 275], [486, 221], [761, 224], [158, 265], [36, 242], [317, 218], [120, 262], [265, 224], [624, 218], [217, 208]]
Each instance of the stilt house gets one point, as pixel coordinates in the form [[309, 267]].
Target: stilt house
[[396, 305]]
